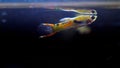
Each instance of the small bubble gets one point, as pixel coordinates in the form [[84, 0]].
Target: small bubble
[[3, 13], [3, 20]]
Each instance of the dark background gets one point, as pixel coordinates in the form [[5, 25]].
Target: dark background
[[22, 48]]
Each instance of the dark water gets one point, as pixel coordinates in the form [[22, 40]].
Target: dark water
[[18, 30], [23, 21]]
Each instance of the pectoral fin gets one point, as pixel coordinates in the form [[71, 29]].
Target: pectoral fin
[[48, 35], [47, 24]]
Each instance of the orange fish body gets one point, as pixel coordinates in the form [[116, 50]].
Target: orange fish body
[[83, 18]]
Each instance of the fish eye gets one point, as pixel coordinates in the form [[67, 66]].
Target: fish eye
[[93, 11]]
